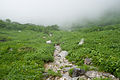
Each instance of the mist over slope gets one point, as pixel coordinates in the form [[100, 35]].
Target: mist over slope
[[60, 12], [109, 18]]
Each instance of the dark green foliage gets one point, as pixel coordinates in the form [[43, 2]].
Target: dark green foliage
[[2, 24], [102, 46], [4, 38], [17, 26], [84, 67], [101, 79], [23, 54], [54, 74], [70, 71]]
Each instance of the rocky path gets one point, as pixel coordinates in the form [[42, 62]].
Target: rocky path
[[63, 65], [60, 64]]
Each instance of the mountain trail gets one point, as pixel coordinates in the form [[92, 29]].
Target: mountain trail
[[62, 65]]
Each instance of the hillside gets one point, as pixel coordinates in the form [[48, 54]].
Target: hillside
[[23, 48]]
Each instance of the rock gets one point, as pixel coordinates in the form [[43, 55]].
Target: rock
[[109, 75], [50, 35], [75, 78], [11, 49], [58, 48], [19, 31], [81, 42], [45, 75], [96, 74], [70, 65], [87, 61], [56, 78], [64, 71], [63, 54], [88, 79], [93, 74], [106, 74], [49, 42], [78, 72], [44, 37], [2, 40], [58, 55], [83, 78], [73, 62]]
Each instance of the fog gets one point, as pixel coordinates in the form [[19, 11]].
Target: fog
[[48, 12]]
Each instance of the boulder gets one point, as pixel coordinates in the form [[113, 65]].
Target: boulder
[[57, 47], [11, 49], [78, 72], [63, 54], [81, 42], [44, 37], [49, 42], [19, 31], [87, 61], [50, 35], [93, 74]]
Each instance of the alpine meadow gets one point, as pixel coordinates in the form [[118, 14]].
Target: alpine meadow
[[60, 40]]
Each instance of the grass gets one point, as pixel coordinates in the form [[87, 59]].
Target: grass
[[101, 79], [23, 54], [54, 74], [103, 47], [71, 71]]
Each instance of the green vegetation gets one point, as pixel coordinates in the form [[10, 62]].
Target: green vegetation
[[71, 71], [102, 79], [54, 74], [103, 47], [23, 50], [23, 54], [84, 67]]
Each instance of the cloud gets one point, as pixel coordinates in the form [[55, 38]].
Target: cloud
[[48, 12]]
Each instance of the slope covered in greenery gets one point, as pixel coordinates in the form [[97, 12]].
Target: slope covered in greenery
[[23, 48], [101, 44]]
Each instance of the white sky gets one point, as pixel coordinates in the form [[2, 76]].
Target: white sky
[[47, 12]]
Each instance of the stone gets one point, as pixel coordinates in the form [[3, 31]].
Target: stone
[[44, 37], [81, 42], [3, 40], [109, 75], [49, 42], [93, 74], [78, 72], [11, 49], [75, 78], [19, 31], [87, 61], [83, 77], [63, 54], [73, 62], [106, 74], [56, 78], [59, 55], [45, 75], [50, 35], [57, 48]]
